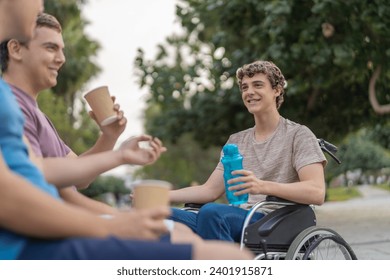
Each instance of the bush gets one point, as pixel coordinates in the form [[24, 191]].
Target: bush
[[106, 184]]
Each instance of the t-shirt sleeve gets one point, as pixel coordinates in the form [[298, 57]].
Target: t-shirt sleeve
[[30, 131], [66, 147], [306, 149]]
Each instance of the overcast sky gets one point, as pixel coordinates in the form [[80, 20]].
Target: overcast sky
[[122, 26]]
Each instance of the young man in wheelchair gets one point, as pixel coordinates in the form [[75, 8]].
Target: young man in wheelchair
[[281, 158]]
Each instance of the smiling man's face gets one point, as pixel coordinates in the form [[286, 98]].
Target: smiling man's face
[[257, 93]]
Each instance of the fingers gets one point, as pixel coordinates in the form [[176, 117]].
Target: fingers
[[121, 119], [157, 146], [140, 223], [242, 172], [155, 150], [145, 149], [143, 137], [120, 113], [155, 218], [92, 115], [159, 212], [154, 144], [159, 229], [242, 190]]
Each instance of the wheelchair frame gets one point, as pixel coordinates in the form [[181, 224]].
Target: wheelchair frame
[[290, 233]]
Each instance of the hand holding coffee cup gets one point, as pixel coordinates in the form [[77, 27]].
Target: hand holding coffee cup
[[102, 105]]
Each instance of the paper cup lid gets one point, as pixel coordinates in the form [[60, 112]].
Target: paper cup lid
[[109, 120], [151, 182]]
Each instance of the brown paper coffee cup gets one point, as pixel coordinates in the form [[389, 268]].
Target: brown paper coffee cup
[[151, 193], [100, 101]]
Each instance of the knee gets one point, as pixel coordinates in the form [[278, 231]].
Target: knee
[[177, 213], [183, 234], [218, 250], [211, 211]]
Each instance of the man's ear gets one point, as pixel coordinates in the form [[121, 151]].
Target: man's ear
[[14, 49], [278, 90]]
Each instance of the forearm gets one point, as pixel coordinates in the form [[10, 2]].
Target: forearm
[[194, 194], [64, 172], [305, 192], [27, 210], [72, 196], [104, 143], [309, 190], [208, 192]]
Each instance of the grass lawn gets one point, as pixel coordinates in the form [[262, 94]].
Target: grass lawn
[[385, 187], [341, 193]]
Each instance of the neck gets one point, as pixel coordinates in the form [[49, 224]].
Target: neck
[[21, 83], [265, 125]]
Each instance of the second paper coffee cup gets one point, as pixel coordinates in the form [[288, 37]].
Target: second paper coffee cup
[[151, 193]]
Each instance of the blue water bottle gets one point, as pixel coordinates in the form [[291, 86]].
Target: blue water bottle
[[232, 160]]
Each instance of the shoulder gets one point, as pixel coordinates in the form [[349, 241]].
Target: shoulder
[[26, 102], [296, 129], [241, 135]]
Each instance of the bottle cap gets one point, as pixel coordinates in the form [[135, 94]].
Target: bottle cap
[[230, 149]]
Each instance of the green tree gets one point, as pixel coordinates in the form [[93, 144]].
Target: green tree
[[328, 51], [106, 184], [63, 104], [380, 134], [185, 163], [358, 152]]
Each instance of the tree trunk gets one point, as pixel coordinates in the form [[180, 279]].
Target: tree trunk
[[379, 109]]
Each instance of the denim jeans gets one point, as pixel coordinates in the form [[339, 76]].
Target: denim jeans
[[110, 248], [215, 221]]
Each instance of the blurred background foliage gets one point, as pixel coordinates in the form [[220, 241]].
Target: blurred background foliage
[[63, 104], [192, 78], [327, 50], [106, 184]]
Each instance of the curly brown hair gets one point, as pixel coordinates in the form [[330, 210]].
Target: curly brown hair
[[270, 70]]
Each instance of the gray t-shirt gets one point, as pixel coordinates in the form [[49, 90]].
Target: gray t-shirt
[[279, 158]]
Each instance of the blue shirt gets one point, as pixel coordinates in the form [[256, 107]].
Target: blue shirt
[[15, 155]]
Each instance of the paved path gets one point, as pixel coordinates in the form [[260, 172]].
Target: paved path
[[363, 222]]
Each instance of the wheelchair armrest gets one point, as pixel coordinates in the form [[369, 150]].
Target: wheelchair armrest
[[278, 200], [279, 228], [193, 205], [272, 220], [272, 201], [272, 198]]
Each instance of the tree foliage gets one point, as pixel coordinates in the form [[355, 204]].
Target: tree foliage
[[380, 134], [184, 164], [106, 184], [63, 104], [328, 50], [359, 151]]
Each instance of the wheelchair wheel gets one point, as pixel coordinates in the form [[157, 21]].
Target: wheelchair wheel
[[315, 243]]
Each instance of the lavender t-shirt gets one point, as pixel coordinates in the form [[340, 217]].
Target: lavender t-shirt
[[38, 129]]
